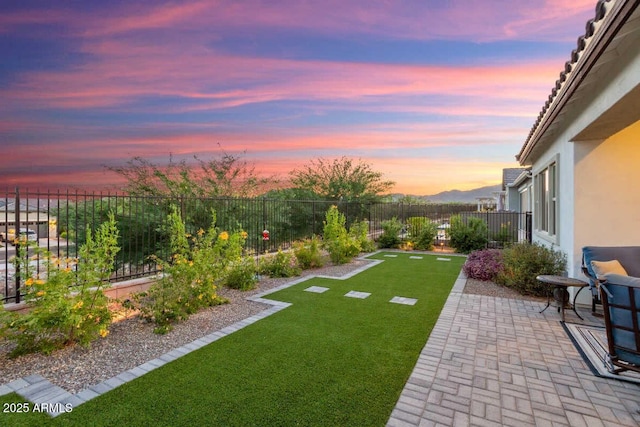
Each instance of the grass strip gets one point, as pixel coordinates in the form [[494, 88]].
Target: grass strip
[[326, 360]]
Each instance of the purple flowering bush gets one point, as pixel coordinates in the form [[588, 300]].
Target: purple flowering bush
[[484, 264]]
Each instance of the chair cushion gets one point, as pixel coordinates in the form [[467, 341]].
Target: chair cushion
[[623, 280], [600, 268], [628, 256]]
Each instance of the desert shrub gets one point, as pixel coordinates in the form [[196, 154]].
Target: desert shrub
[[506, 235], [469, 236], [415, 224], [342, 246], [280, 264], [426, 236], [308, 253], [191, 275], [67, 301], [524, 261], [241, 274], [484, 264], [390, 230], [359, 231]]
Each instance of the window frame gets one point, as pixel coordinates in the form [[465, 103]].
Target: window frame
[[545, 203]]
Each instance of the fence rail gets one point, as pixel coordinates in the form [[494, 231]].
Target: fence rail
[[58, 222]]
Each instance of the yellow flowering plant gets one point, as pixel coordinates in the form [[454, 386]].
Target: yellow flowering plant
[[191, 276], [67, 301]]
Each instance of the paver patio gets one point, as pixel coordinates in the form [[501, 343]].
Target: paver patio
[[497, 361]]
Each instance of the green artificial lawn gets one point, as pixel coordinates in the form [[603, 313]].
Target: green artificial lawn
[[325, 360]]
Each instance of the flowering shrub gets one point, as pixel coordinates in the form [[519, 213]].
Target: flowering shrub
[[281, 264], [484, 264], [67, 299], [524, 261], [191, 276], [342, 246], [308, 253]]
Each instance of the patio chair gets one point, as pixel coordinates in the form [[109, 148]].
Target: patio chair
[[627, 256], [621, 305]]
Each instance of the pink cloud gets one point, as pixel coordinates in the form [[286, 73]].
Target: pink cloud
[[477, 20], [118, 79]]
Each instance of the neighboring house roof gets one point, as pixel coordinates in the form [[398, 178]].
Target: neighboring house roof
[[604, 33], [29, 205], [523, 177], [509, 175]]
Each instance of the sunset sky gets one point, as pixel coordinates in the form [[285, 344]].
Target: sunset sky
[[437, 95]]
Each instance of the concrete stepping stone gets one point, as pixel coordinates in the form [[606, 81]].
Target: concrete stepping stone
[[415, 257], [391, 256], [403, 300], [443, 259], [317, 289], [356, 294]]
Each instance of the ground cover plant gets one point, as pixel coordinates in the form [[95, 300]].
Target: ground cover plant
[[325, 360], [484, 264], [280, 264]]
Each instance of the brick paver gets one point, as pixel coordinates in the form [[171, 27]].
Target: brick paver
[[496, 361]]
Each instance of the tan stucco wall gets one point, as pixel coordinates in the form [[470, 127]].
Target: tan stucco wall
[[607, 194], [606, 197]]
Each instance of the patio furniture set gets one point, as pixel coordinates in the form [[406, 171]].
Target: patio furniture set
[[614, 280], [613, 274]]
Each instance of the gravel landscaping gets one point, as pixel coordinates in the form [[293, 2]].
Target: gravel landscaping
[[131, 341]]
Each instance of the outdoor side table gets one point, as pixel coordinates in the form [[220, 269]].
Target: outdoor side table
[[560, 293]]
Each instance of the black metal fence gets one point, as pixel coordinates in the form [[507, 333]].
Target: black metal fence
[[58, 221]]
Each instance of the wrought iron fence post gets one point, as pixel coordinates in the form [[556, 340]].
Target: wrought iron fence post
[[16, 236]]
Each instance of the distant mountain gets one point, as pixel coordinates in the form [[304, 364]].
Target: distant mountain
[[468, 196], [457, 196]]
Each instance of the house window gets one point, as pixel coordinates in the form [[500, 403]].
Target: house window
[[546, 200]]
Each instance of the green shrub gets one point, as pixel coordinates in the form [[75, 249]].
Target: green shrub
[[281, 264], [522, 262], [415, 224], [241, 274], [469, 236], [359, 231], [308, 253], [506, 235], [67, 301], [342, 246], [426, 234], [390, 230]]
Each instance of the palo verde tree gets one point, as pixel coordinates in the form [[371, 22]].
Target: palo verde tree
[[341, 179], [227, 175], [196, 187]]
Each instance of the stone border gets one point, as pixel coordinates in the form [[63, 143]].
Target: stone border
[[55, 400]]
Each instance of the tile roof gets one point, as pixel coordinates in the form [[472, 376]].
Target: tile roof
[[573, 71], [509, 175]]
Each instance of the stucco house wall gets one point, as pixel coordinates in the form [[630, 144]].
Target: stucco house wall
[[607, 198], [594, 138]]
